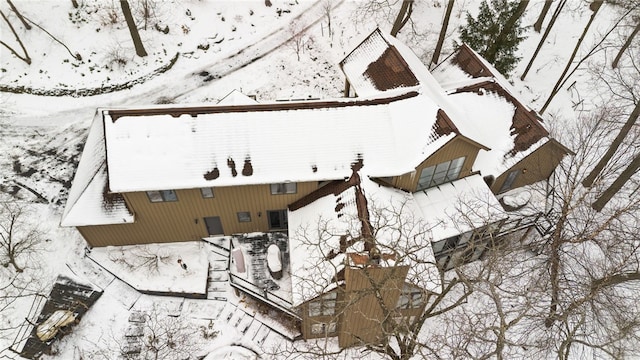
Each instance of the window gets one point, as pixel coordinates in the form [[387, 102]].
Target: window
[[441, 173], [244, 216], [277, 219], [284, 188], [410, 297], [508, 182], [324, 305], [207, 193], [162, 196], [323, 328]]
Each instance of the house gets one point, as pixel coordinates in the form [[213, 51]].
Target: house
[[367, 197]]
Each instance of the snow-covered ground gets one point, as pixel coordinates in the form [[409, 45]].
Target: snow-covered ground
[[211, 48]]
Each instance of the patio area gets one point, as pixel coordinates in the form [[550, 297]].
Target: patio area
[[259, 265]]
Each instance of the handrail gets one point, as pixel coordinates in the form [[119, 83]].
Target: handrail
[[262, 294]]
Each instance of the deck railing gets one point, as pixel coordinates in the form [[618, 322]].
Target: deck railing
[[262, 294]]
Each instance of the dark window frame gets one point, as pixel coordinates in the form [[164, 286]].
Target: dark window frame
[[284, 188], [202, 193], [283, 218], [512, 176], [440, 173], [243, 216], [325, 305], [159, 196]]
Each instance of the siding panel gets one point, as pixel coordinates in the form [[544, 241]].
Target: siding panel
[[537, 166], [183, 220]]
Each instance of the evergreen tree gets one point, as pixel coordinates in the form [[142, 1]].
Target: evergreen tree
[[496, 32]]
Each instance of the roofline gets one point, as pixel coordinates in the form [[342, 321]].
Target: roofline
[[561, 146], [115, 114], [473, 142], [377, 29]]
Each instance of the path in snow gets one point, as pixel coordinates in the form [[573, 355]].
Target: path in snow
[[207, 75]]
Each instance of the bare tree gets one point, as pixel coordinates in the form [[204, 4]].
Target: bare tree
[[545, 9], [443, 33], [404, 14], [327, 8], [590, 178], [19, 15], [20, 239], [24, 57], [135, 35], [617, 185], [298, 39], [595, 8], [554, 17], [626, 44]]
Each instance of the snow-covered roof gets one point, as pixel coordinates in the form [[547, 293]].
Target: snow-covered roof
[[512, 130], [459, 206], [86, 204], [315, 231], [191, 147], [475, 86], [236, 97], [403, 68]]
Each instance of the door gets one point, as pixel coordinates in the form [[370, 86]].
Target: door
[[214, 225], [278, 219]]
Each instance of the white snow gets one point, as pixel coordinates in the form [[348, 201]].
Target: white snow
[[30, 122], [274, 261], [164, 152], [155, 267], [460, 206]]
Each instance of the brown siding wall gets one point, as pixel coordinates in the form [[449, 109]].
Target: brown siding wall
[[455, 148], [362, 316], [537, 166], [183, 220]]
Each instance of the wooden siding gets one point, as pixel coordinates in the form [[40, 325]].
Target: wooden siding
[[537, 166], [363, 314], [454, 149], [183, 220]]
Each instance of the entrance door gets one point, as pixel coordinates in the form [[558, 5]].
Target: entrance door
[[278, 219], [214, 225]]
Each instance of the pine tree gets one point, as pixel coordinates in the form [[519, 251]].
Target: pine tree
[[496, 32]]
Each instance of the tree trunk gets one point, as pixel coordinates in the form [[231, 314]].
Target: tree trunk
[[588, 181], [443, 33], [626, 45], [595, 6], [554, 17], [617, 185], [135, 36], [545, 9], [492, 51], [74, 3], [13, 8], [403, 16], [24, 58]]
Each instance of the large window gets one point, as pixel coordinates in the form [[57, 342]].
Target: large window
[[410, 297], [162, 196], [283, 188], [441, 173], [324, 305]]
